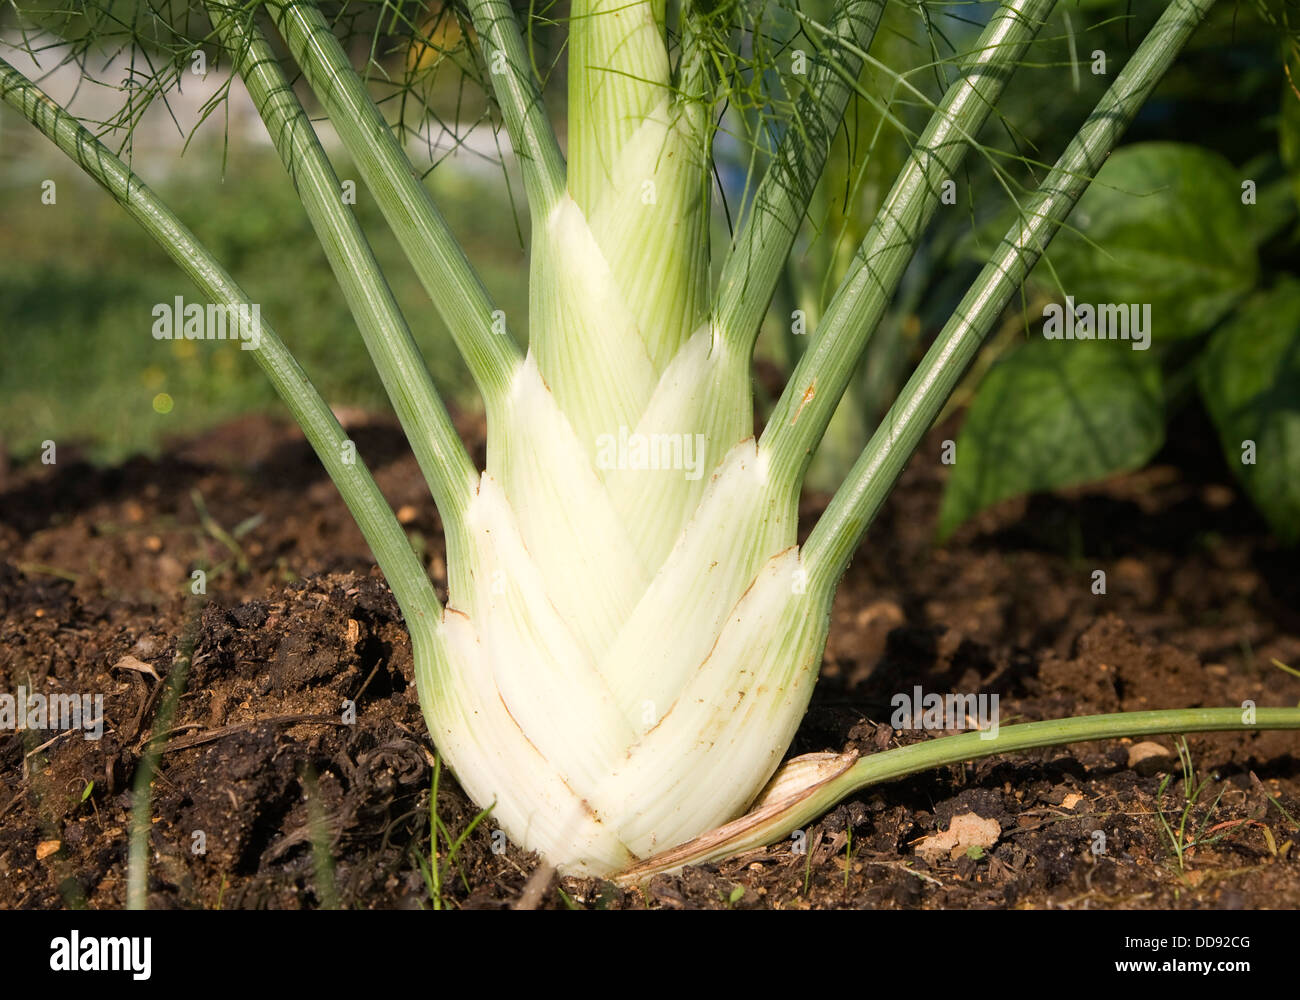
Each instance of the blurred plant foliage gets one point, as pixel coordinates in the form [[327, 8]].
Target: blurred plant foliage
[[1204, 232]]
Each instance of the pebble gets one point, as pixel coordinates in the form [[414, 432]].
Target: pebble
[[1149, 758]]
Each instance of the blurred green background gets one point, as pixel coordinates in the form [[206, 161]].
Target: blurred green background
[[80, 279]]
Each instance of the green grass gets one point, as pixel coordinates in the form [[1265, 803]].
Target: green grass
[[1189, 833], [80, 280], [440, 869]]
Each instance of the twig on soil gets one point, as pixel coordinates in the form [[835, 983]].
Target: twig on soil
[[903, 866], [276, 720], [10, 804], [54, 739], [535, 888], [146, 709], [1102, 898]]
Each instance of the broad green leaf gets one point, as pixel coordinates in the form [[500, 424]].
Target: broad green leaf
[[1163, 223], [1250, 380], [1054, 413]]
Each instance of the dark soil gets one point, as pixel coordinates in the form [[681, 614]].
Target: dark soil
[[264, 797]]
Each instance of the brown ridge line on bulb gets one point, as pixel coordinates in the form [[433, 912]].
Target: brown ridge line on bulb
[[587, 807], [709, 654], [563, 780], [642, 737]]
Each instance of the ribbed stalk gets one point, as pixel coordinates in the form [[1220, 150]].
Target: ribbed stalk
[[639, 175], [618, 74], [809, 400], [450, 280], [620, 268], [438, 450], [842, 525], [520, 100]]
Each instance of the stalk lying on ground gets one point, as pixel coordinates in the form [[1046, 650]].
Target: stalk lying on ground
[[627, 650]]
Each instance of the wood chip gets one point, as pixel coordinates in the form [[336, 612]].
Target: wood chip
[[964, 832], [47, 847]]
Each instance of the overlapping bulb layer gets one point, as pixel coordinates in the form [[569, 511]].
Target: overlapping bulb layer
[[629, 644]]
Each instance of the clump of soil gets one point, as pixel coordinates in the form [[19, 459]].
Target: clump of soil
[[298, 771]]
